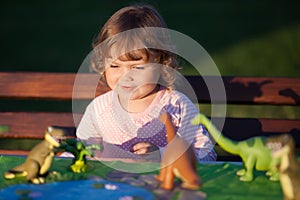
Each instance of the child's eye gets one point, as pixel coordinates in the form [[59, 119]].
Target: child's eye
[[114, 66], [139, 67]]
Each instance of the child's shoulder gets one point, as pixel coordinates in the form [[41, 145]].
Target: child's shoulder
[[105, 97], [102, 101], [174, 96]]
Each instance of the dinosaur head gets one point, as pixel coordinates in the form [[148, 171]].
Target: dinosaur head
[[281, 145], [61, 133], [51, 140]]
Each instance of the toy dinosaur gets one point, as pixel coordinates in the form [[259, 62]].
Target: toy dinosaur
[[37, 163], [254, 153], [80, 151], [178, 160], [283, 147], [74, 146]]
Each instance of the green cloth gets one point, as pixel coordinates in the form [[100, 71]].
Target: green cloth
[[219, 179]]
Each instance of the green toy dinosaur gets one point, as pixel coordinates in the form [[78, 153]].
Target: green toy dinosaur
[[253, 151], [37, 163], [80, 151], [283, 147], [73, 146]]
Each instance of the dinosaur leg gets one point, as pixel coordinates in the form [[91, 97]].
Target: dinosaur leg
[[186, 171], [241, 172], [78, 167], [189, 177], [33, 169], [168, 182], [249, 165], [162, 174], [273, 172]]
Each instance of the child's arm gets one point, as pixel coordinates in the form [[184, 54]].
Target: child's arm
[[203, 146]]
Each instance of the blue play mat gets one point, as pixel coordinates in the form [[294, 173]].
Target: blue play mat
[[81, 189]]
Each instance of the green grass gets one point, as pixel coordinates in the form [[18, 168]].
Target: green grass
[[271, 54]]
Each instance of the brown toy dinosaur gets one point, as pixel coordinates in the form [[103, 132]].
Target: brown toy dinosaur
[[283, 147], [37, 163], [178, 160]]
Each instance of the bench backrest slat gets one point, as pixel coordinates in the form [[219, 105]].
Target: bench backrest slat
[[255, 90], [32, 125], [48, 86], [250, 90]]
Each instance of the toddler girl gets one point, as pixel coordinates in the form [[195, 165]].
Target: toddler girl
[[133, 53]]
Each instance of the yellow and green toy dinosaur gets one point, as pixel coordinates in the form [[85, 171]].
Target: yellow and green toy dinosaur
[[80, 151], [284, 148], [37, 163], [254, 153]]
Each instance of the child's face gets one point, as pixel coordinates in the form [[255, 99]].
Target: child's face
[[134, 79]]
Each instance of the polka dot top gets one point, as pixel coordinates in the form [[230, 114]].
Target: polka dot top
[[107, 122]]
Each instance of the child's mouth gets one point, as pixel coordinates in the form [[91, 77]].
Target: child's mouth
[[127, 88]]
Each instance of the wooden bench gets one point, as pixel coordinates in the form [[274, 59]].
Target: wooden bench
[[27, 124]]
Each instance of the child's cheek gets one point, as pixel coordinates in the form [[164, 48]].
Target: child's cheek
[[112, 82]]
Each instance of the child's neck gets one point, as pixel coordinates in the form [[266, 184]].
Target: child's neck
[[139, 105]]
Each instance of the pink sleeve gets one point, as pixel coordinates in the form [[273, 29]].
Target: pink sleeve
[[183, 111]]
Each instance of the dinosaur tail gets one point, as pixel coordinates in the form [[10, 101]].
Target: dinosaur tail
[[224, 142]]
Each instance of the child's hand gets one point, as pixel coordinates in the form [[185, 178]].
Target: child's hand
[[143, 148]]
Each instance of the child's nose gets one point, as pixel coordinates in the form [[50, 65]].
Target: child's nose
[[127, 75]]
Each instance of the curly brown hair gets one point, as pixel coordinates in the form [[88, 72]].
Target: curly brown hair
[[131, 32]]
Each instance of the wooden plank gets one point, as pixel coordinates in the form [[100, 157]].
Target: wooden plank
[[33, 124], [266, 90], [239, 90], [14, 152], [249, 90], [57, 86]]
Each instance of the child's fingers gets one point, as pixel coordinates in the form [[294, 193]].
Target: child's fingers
[[140, 147], [141, 151], [143, 147]]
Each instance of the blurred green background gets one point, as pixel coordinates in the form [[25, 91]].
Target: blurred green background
[[249, 37]]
